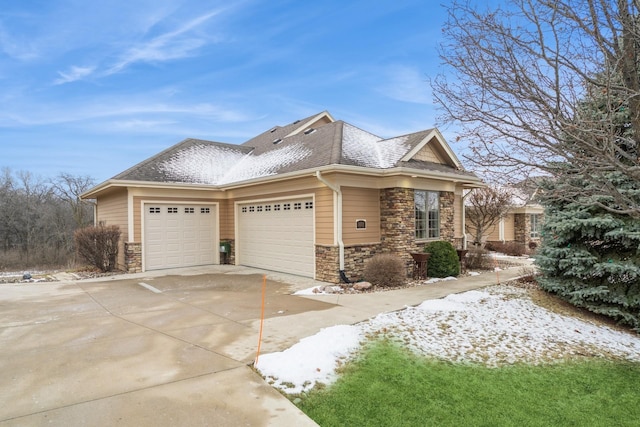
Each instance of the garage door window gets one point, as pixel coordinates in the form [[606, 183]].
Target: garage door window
[[172, 210]]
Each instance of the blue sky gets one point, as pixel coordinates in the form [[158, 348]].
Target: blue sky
[[93, 87]]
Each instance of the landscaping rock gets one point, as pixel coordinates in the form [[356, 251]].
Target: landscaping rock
[[362, 286]]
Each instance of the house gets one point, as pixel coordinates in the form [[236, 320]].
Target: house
[[317, 197], [523, 221]]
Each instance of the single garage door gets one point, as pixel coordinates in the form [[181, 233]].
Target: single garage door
[[179, 235], [277, 236]]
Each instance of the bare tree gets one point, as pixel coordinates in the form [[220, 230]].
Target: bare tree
[[69, 188], [484, 208], [516, 80]]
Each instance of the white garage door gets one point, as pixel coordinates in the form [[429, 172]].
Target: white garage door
[[277, 236], [179, 235]]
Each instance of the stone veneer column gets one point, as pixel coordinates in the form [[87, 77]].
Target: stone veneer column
[[328, 263], [520, 229], [397, 223], [133, 257], [447, 224]]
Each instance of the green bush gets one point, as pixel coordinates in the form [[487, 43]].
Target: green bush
[[385, 270], [443, 261]]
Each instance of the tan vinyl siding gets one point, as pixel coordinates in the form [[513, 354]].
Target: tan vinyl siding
[[509, 227], [324, 216], [112, 210], [457, 216], [360, 204]]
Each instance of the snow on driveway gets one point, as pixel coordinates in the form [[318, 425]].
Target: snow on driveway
[[497, 326]]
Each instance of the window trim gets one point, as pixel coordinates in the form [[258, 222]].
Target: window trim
[[424, 227]]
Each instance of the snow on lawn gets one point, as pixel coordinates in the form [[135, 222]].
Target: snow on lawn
[[495, 327]]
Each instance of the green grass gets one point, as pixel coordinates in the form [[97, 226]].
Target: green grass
[[389, 386]]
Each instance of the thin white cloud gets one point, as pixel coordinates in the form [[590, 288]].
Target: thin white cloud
[[75, 73], [406, 84], [179, 43]]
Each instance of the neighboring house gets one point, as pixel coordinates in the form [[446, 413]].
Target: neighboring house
[[315, 198], [522, 223]]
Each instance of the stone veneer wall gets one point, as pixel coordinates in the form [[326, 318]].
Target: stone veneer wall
[[133, 257], [398, 223], [231, 257], [447, 224], [520, 228], [355, 258], [397, 236], [328, 263]]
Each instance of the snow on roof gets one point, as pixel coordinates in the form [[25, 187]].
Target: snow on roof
[[369, 150], [215, 164]]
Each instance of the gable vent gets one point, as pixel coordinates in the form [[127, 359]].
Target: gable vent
[[309, 131], [277, 141]]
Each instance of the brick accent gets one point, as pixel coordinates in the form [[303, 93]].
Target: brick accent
[[133, 257]]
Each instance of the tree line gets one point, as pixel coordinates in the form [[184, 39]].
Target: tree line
[[38, 217]]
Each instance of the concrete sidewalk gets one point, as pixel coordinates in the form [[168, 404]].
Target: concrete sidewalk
[[282, 332]]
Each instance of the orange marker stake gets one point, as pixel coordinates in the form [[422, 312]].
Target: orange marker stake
[[264, 291]]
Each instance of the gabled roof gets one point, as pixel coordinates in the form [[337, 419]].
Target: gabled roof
[[309, 144]]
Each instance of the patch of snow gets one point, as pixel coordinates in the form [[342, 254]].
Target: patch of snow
[[439, 279], [369, 150], [214, 164], [473, 273], [496, 327], [299, 368]]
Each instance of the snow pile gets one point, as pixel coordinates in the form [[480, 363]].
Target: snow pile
[[369, 150], [312, 360], [496, 327]]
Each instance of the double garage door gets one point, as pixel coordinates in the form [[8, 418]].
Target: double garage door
[[179, 235], [277, 235]]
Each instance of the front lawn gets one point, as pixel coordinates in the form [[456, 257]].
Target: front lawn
[[389, 386]]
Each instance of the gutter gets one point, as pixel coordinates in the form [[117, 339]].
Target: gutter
[[337, 220]]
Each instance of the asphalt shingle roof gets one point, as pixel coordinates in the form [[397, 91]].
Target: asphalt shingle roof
[[280, 150]]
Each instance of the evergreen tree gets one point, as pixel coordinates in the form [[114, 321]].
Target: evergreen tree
[[590, 253]]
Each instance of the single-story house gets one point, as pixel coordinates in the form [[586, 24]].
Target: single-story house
[[316, 198], [521, 224]]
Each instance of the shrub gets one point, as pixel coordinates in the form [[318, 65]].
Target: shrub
[[478, 259], [514, 249], [533, 246], [507, 248], [443, 261], [98, 246], [385, 270]]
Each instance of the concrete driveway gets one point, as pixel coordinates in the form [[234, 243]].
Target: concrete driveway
[[145, 350]]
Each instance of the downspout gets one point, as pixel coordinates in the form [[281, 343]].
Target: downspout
[[337, 223]]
